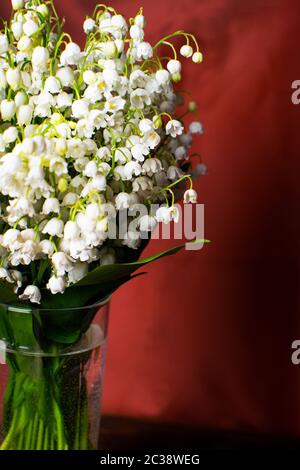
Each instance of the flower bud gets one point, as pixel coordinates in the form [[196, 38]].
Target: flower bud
[[13, 77], [3, 43], [109, 49], [136, 33], [69, 199], [17, 4], [200, 170], [192, 106], [197, 57], [80, 108], [61, 146], [30, 27], [10, 135], [25, 44], [139, 20], [52, 41], [89, 77], [8, 109], [26, 79], [174, 66], [92, 211], [162, 77], [24, 115], [3, 81], [62, 185], [20, 57], [66, 76], [56, 119], [72, 125], [180, 152], [17, 29], [91, 169], [119, 45], [40, 58], [186, 51], [28, 146], [196, 128], [43, 10], [145, 125], [157, 121], [21, 98], [176, 77], [89, 25]]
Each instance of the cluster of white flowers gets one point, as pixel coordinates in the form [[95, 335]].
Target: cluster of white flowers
[[80, 128]]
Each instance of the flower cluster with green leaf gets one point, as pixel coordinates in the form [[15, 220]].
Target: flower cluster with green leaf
[[80, 128]]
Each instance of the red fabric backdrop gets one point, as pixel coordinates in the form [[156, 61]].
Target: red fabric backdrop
[[206, 337]]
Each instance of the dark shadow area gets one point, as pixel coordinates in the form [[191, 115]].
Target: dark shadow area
[[128, 434]]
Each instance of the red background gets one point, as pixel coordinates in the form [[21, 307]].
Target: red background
[[206, 338]]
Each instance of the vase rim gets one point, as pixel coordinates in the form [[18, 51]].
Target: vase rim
[[28, 309]]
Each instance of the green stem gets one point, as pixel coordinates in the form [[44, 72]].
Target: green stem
[[28, 436], [34, 432], [11, 432], [40, 436], [46, 439], [20, 444], [39, 404], [52, 445], [60, 426]]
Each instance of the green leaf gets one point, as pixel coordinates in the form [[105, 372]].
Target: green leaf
[[79, 296], [67, 325], [112, 272], [101, 282], [59, 320]]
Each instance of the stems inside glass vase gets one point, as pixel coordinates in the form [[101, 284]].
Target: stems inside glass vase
[[52, 377], [39, 405]]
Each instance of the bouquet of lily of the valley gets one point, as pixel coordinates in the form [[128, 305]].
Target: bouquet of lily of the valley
[[85, 135]]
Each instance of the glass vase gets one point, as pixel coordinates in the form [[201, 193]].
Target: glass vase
[[51, 376]]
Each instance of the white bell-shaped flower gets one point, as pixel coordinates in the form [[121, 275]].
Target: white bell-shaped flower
[[40, 58], [54, 227], [57, 285], [3, 44], [190, 196], [51, 205], [61, 263], [8, 109], [24, 115], [31, 293]]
